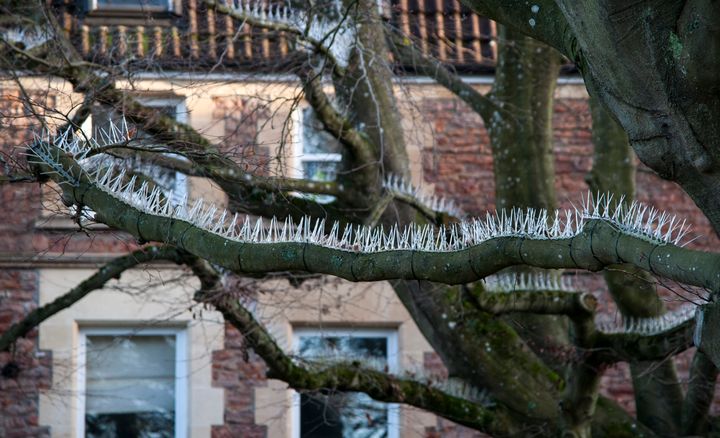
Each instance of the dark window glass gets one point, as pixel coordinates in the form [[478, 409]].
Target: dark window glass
[[343, 415], [130, 386]]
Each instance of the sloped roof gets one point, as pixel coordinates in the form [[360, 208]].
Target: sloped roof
[[198, 37]]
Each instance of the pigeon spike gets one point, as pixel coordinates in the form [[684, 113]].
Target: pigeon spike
[[635, 219]]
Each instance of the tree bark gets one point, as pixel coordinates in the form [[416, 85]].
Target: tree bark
[[658, 396], [522, 146], [703, 375]]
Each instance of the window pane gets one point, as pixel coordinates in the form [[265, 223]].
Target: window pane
[[344, 346], [130, 386], [133, 4], [320, 170], [350, 415], [131, 425], [343, 415]]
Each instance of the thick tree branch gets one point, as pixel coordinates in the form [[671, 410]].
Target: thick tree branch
[[478, 347], [337, 125], [182, 139], [612, 421], [542, 20], [628, 347], [582, 376], [598, 244], [579, 399], [658, 395], [544, 302], [341, 376]]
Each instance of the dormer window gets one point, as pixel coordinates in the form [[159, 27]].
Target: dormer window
[[132, 5]]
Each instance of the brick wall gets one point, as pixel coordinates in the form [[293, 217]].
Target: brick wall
[[23, 371], [238, 371], [20, 201], [459, 163]]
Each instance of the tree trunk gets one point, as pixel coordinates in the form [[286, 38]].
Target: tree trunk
[[522, 146], [658, 395]]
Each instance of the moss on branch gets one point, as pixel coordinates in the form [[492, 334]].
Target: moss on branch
[[572, 304], [630, 347]]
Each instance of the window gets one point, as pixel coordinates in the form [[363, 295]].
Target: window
[[346, 415], [133, 383], [318, 153], [131, 5], [173, 183]]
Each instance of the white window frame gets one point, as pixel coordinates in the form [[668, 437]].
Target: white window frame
[[93, 6], [299, 155], [392, 363], [181, 370]]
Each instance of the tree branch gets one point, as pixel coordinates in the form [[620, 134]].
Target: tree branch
[[337, 125], [10, 179], [542, 20], [406, 53], [627, 347], [545, 302], [319, 45], [275, 184], [658, 395], [435, 217], [181, 138], [598, 244], [110, 271]]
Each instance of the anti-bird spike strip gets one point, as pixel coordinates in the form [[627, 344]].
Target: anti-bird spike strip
[[614, 220], [396, 185], [528, 281], [636, 219], [649, 326]]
